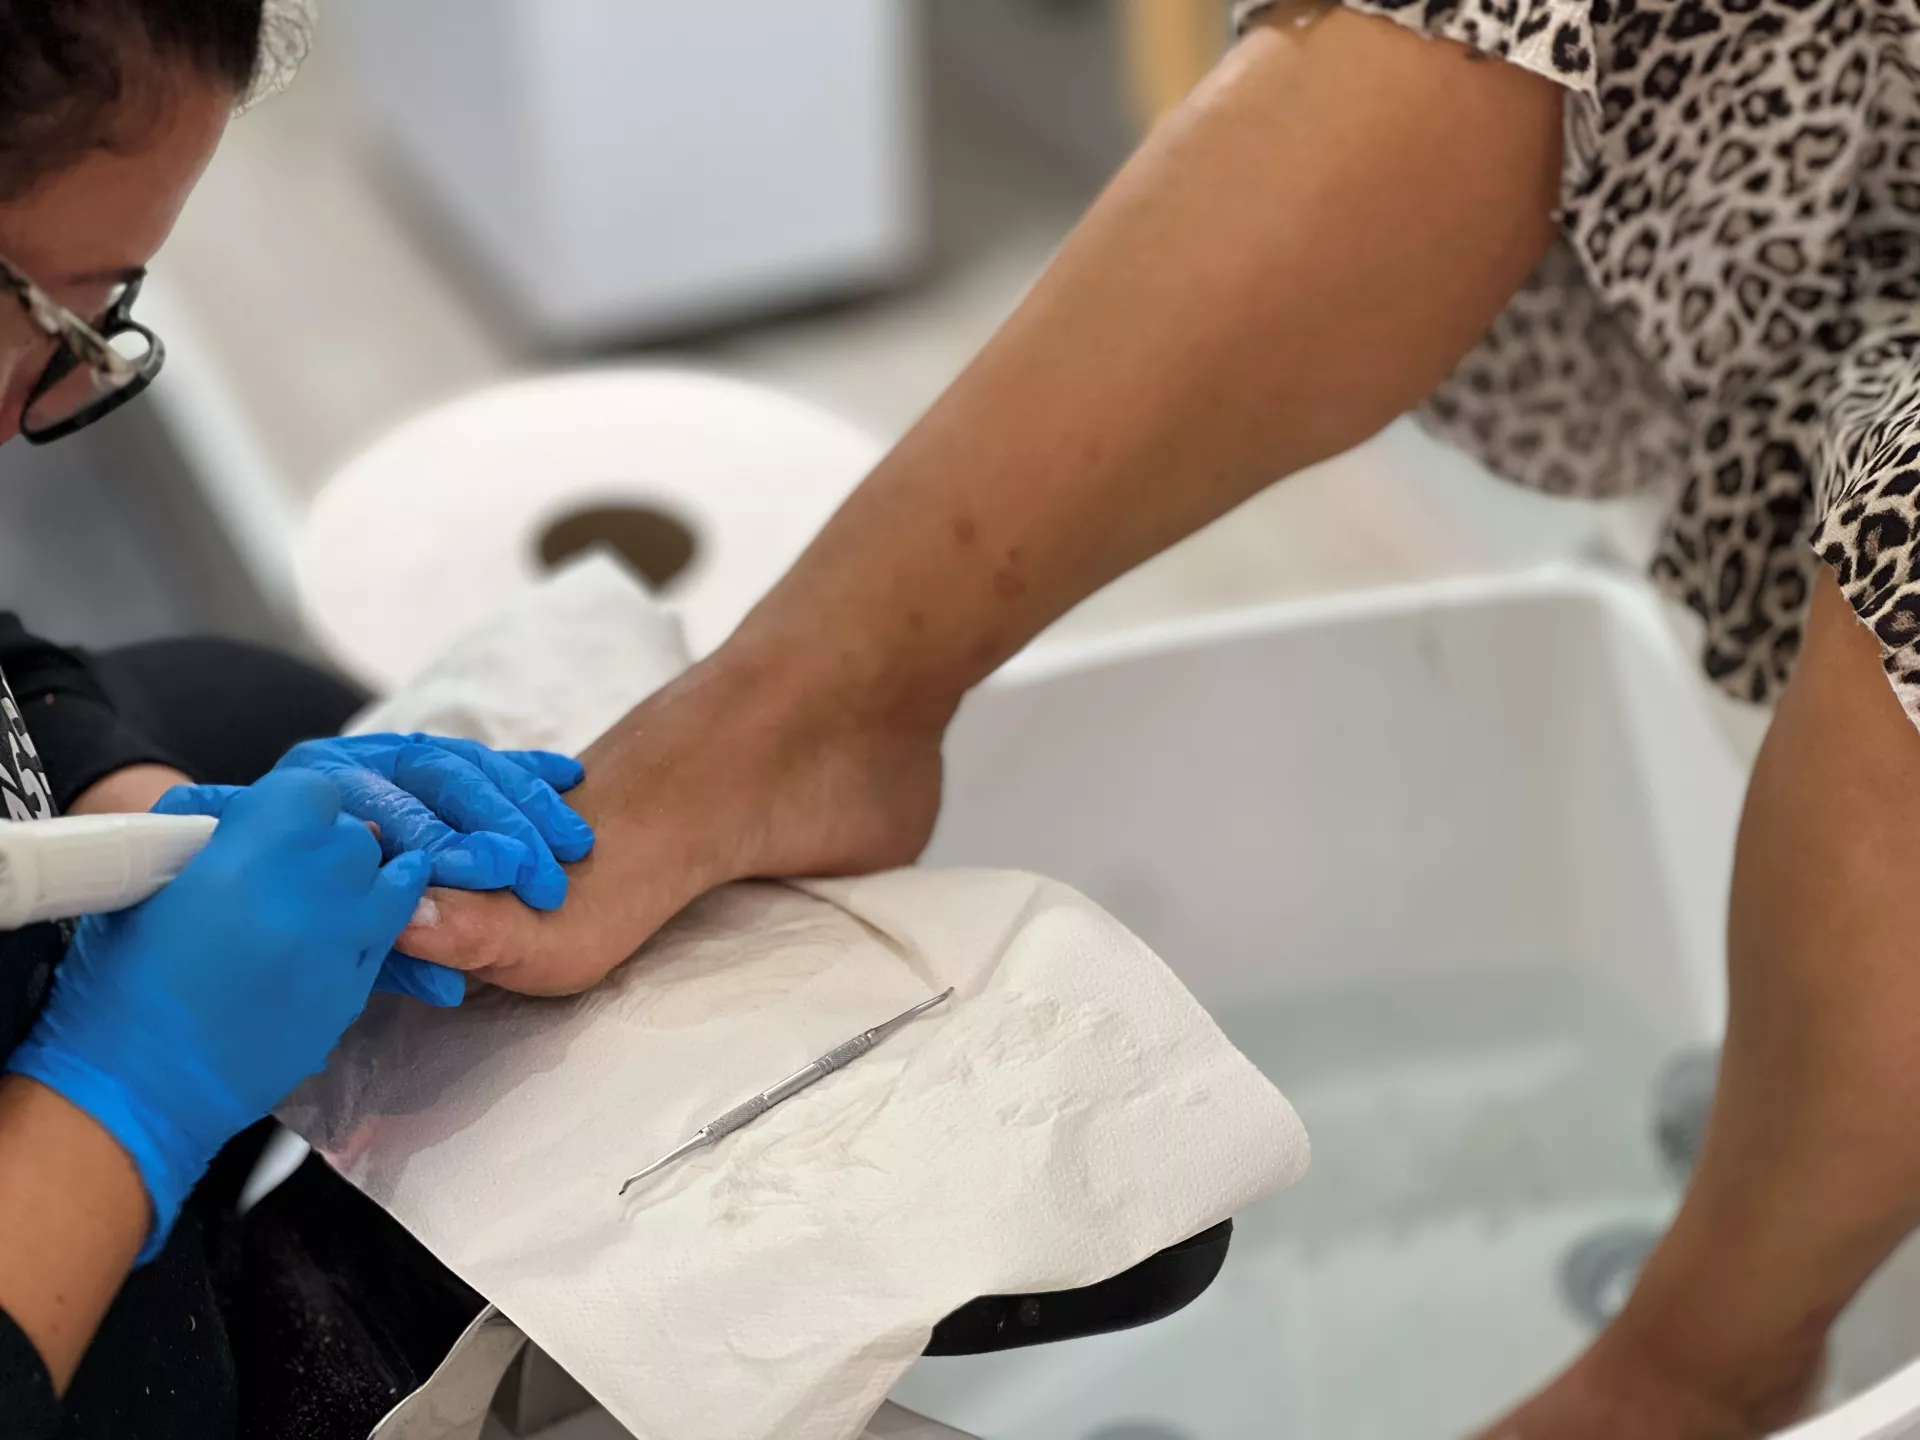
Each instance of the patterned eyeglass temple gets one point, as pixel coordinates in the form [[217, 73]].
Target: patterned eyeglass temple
[[65, 328]]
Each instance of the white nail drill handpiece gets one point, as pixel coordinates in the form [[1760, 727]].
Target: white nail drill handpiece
[[91, 864]]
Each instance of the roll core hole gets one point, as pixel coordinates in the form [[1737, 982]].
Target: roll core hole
[[658, 546]]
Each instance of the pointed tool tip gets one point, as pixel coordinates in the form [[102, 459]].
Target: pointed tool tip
[[633, 1180]]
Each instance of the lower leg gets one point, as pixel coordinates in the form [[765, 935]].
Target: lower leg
[[1810, 1174]]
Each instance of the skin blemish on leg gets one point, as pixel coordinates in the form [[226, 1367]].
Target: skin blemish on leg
[[965, 531], [1009, 583]]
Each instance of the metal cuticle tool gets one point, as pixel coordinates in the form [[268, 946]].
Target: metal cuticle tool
[[742, 1116]]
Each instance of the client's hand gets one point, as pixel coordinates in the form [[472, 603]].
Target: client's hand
[[738, 769]]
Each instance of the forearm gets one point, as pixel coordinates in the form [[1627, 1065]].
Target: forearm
[[73, 1215], [131, 791], [1297, 256]]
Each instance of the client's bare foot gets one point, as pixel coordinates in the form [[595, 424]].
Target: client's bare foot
[[738, 769], [1615, 1390]]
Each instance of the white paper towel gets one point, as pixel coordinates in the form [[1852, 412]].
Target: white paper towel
[[553, 672], [1072, 1112]]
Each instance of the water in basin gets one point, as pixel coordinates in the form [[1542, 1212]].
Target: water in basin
[[1473, 845], [1470, 1131]]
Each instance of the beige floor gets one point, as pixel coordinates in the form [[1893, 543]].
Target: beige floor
[[322, 315]]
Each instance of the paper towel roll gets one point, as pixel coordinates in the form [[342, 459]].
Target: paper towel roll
[[438, 526]]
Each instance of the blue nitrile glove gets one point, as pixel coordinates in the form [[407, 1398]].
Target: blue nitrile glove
[[400, 974], [182, 1021], [489, 819]]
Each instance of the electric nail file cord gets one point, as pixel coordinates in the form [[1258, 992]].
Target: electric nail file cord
[[91, 864]]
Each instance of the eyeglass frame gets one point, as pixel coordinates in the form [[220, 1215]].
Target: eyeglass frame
[[80, 344]]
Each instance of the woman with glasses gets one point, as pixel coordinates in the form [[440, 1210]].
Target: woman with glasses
[[140, 1052], [95, 369]]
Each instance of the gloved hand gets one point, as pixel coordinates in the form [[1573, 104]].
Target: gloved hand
[[400, 974], [180, 1022], [489, 819]]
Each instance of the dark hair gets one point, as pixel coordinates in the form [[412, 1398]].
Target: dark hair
[[69, 67]]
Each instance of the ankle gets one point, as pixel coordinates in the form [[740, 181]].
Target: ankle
[[1706, 1388]]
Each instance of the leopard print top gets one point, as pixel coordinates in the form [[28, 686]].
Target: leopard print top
[[1730, 312]]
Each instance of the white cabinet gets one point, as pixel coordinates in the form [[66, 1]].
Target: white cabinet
[[615, 169]]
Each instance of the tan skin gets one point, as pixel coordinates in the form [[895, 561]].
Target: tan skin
[[1173, 338], [73, 1212], [1297, 256]]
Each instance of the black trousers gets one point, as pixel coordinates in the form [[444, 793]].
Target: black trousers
[[333, 1312]]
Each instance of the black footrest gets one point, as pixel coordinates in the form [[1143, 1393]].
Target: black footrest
[[1152, 1290]]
